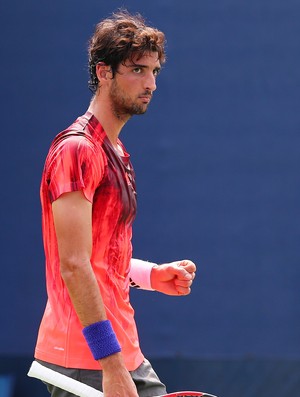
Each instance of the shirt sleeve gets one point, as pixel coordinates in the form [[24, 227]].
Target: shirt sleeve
[[75, 164]]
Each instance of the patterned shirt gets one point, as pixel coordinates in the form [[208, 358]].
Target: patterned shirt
[[82, 158]]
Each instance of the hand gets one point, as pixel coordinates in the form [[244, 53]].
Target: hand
[[173, 278], [117, 381]]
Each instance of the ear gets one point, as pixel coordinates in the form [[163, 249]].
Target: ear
[[103, 71]]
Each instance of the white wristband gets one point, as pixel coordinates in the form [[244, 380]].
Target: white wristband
[[140, 274]]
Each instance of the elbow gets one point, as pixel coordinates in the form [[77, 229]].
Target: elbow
[[72, 267]]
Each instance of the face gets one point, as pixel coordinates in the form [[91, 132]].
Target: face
[[133, 85]]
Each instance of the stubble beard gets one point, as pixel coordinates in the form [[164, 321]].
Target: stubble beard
[[123, 106]]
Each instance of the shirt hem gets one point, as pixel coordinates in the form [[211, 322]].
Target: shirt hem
[[80, 363]]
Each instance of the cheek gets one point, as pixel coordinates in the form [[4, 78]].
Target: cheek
[[130, 85], [130, 90], [132, 81]]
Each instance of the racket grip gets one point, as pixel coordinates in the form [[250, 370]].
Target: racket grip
[[57, 379]]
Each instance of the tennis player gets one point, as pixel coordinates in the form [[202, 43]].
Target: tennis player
[[88, 198]]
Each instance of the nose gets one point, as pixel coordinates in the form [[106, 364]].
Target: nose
[[150, 82]]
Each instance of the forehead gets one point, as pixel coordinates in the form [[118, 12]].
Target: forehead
[[149, 59]]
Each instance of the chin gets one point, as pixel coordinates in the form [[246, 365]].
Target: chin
[[138, 110]]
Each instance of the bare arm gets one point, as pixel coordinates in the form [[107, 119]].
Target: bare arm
[[73, 225], [72, 214]]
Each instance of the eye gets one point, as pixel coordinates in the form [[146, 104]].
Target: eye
[[137, 70], [156, 72]]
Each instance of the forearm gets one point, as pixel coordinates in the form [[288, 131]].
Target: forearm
[[88, 304], [84, 292]]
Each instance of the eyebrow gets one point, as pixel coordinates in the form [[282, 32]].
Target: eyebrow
[[138, 65]]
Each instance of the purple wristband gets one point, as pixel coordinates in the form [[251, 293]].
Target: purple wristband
[[101, 339]]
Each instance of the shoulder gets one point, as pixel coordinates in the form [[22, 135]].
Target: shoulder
[[76, 143]]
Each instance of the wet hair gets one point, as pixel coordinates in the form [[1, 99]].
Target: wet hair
[[119, 38]]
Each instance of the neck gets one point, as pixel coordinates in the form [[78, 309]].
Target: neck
[[111, 122]]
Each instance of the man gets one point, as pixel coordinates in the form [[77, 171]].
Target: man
[[88, 200]]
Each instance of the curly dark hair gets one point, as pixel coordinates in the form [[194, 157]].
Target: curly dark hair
[[119, 38]]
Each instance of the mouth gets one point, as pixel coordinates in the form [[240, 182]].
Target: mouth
[[146, 98]]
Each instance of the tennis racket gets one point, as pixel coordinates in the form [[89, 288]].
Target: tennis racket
[[80, 389]]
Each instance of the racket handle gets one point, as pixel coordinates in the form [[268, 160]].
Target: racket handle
[[57, 379], [80, 389]]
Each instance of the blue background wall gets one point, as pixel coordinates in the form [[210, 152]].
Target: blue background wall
[[216, 158]]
